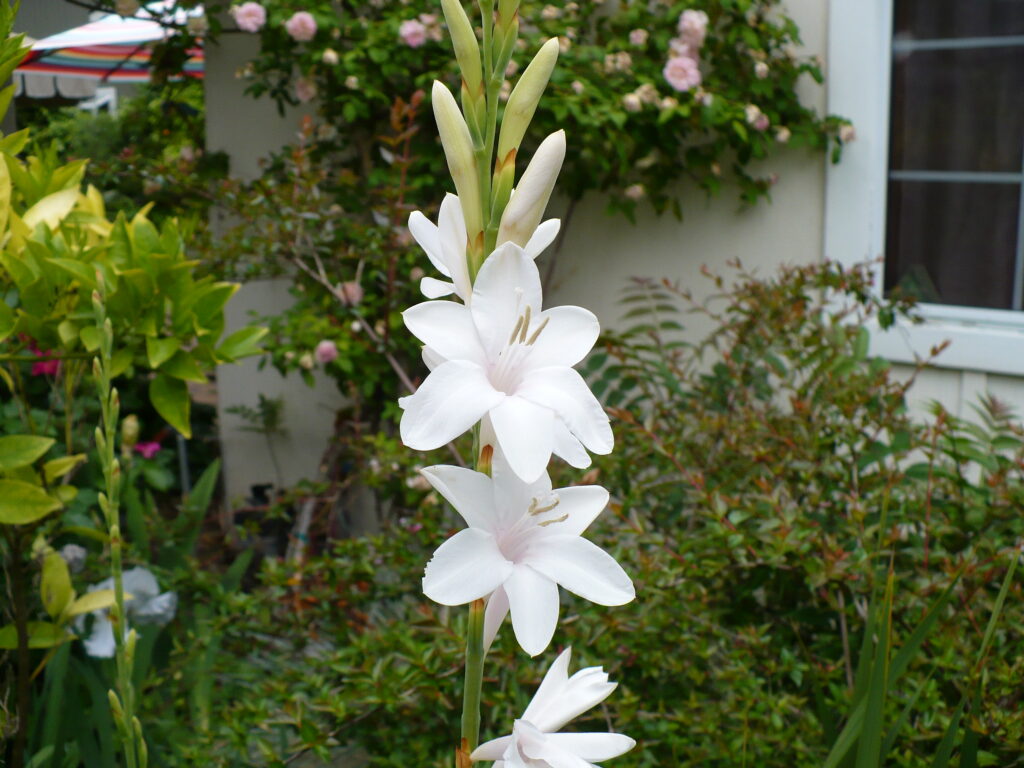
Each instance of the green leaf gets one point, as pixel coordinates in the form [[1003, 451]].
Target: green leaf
[[183, 366], [55, 585], [57, 468], [159, 351], [21, 450], [91, 337], [8, 320], [41, 634], [22, 503], [91, 601], [243, 343], [169, 397]]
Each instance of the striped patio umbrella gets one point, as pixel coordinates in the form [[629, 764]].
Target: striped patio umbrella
[[112, 49]]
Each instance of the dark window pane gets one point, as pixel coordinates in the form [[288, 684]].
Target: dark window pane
[[930, 19], [958, 109], [953, 243]]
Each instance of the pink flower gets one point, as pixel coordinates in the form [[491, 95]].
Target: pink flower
[[638, 37], [301, 26], [412, 32], [762, 122], [326, 351], [682, 73], [147, 450], [44, 367], [693, 27], [305, 89]]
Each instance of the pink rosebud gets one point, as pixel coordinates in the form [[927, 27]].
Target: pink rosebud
[[693, 27], [682, 73], [305, 89], [413, 33], [638, 37], [326, 352], [761, 123], [301, 26], [351, 292], [147, 450]]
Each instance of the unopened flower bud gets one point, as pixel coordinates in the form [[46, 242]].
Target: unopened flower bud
[[524, 99], [458, 151], [847, 133], [129, 431], [467, 50], [526, 208]]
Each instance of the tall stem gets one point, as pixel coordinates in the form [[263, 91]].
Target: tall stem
[[19, 589], [474, 677], [123, 702]]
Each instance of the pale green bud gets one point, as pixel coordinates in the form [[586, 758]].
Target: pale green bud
[[525, 97], [526, 208], [467, 50], [458, 151]]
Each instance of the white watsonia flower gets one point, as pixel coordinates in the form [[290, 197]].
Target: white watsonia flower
[[535, 741], [445, 246], [503, 358], [524, 540], [143, 603]]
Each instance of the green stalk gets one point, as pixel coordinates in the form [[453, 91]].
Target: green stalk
[[123, 701], [474, 677]]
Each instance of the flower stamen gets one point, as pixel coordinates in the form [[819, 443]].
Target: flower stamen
[[535, 334]]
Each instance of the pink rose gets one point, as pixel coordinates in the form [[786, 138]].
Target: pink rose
[[147, 450], [638, 37], [305, 89], [301, 26], [326, 351], [412, 32], [682, 73], [693, 27]]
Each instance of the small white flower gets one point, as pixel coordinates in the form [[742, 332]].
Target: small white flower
[[761, 70], [535, 741], [329, 57], [143, 604], [503, 359], [577, 87], [847, 133], [445, 246], [631, 102], [524, 540]]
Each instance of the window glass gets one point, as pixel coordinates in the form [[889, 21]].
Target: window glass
[[955, 225]]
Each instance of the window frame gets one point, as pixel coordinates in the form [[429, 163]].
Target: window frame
[[858, 77]]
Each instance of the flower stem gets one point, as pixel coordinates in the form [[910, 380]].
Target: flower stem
[[474, 678], [123, 701]]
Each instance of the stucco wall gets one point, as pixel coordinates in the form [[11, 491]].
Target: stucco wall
[[598, 256]]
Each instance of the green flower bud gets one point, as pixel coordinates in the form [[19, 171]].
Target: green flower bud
[[458, 151], [467, 50], [525, 97]]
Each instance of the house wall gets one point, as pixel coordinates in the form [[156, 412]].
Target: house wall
[[598, 256]]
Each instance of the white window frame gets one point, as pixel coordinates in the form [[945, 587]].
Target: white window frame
[[859, 66]]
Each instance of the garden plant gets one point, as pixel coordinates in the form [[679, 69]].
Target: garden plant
[[787, 567]]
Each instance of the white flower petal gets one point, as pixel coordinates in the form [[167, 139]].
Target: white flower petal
[[538, 748], [431, 359], [471, 493], [447, 328], [533, 600], [542, 237], [452, 228], [583, 568], [593, 746], [100, 642], [512, 496], [451, 400], [565, 446], [582, 503], [427, 235], [567, 338], [433, 288], [465, 568], [525, 432], [494, 615], [560, 698], [507, 283], [492, 750], [565, 392]]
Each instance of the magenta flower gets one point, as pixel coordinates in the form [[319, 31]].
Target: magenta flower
[[44, 367], [301, 26], [147, 450]]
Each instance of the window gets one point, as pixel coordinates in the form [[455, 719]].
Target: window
[[934, 183]]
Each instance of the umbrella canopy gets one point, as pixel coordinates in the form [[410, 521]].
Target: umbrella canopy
[[111, 49]]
